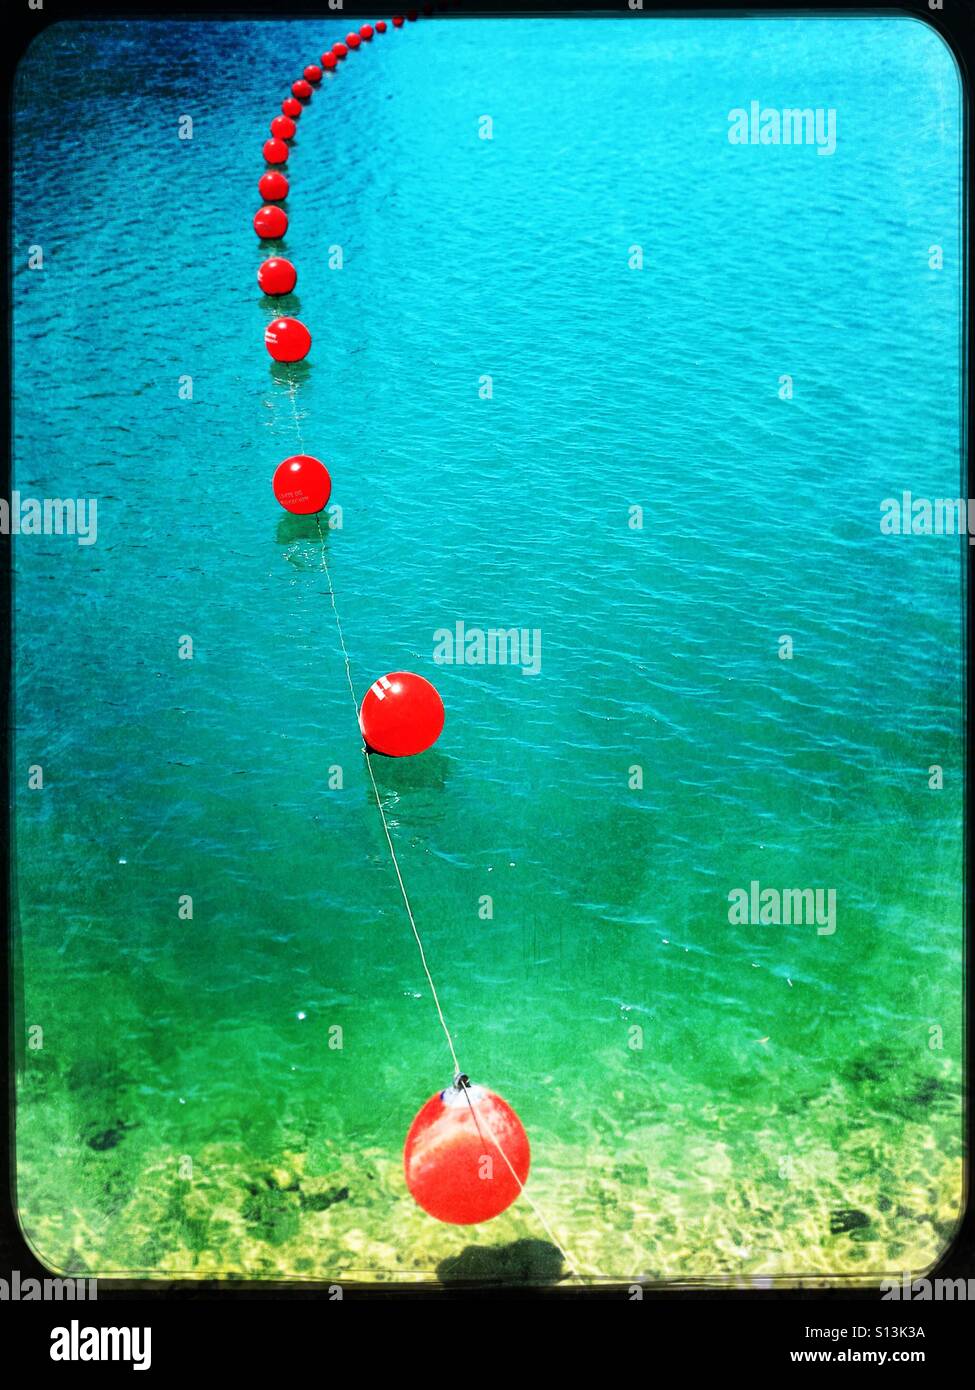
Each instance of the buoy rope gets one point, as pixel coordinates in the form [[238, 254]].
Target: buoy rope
[[368, 757], [571, 1263], [409, 913]]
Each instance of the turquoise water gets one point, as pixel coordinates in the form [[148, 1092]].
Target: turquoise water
[[791, 1114]]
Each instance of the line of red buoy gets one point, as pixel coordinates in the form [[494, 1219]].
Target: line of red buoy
[[447, 1170], [402, 713]]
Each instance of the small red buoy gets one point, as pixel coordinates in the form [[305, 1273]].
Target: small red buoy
[[380, 26], [411, 15], [401, 715], [277, 276], [366, 32], [397, 21], [455, 1152], [329, 61], [270, 222], [302, 485], [291, 107], [301, 89], [287, 340], [313, 73], [272, 186], [339, 49], [275, 151], [283, 127], [353, 40]]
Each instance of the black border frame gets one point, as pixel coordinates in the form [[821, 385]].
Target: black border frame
[[955, 22]]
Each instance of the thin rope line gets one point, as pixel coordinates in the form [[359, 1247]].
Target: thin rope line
[[368, 757], [375, 789], [292, 397], [409, 913], [382, 812]]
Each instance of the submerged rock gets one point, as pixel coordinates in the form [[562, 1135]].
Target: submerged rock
[[109, 1138], [321, 1201], [849, 1219]]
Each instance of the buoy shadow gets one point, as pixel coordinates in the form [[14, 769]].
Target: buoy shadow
[[290, 373], [521, 1262], [428, 771], [293, 527], [284, 305]]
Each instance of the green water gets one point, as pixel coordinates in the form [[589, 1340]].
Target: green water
[[791, 1106]]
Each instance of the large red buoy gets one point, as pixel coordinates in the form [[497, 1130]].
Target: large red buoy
[[277, 276], [329, 61], [301, 89], [401, 715], [272, 186], [270, 222], [353, 40], [291, 107], [283, 127], [287, 340], [366, 32], [275, 151], [302, 485], [339, 49], [313, 73], [455, 1153]]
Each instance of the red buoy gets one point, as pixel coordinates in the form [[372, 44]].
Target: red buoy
[[397, 21], [277, 276], [401, 715], [272, 186], [353, 40], [275, 151], [339, 49], [302, 485], [291, 107], [287, 340], [313, 73], [380, 26], [301, 89], [366, 32], [283, 127], [270, 222], [329, 60], [455, 1153]]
